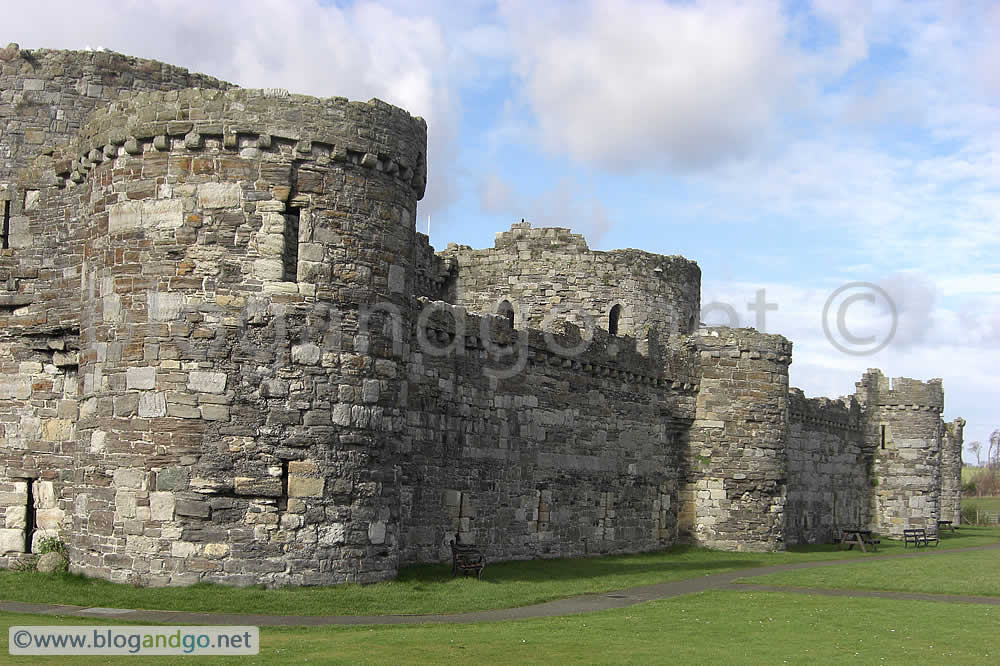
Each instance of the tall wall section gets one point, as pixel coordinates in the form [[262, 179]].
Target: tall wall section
[[534, 444], [952, 444], [44, 97], [247, 259], [736, 489], [549, 275], [831, 474], [904, 429]]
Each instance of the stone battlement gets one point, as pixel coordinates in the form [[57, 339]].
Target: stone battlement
[[901, 392]]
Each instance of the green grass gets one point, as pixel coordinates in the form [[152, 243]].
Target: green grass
[[431, 589], [970, 573], [716, 627], [991, 504]]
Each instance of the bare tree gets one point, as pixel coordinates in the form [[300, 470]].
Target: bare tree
[[993, 455], [976, 449]]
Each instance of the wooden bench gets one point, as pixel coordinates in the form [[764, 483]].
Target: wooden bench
[[946, 525], [918, 537], [467, 559]]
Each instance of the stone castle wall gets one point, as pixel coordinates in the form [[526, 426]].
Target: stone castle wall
[[830, 469], [537, 447], [226, 355], [951, 471], [45, 96]]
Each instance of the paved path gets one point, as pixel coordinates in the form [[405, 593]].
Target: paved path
[[582, 604]]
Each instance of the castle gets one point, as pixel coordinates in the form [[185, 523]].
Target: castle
[[227, 355]]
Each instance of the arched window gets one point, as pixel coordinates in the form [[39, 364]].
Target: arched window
[[506, 310], [616, 313]]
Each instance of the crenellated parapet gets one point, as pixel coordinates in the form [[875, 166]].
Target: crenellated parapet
[[834, 414]]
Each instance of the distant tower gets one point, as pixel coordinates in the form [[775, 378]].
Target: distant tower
[[904, 428]]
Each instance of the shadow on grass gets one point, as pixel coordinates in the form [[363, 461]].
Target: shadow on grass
[[670, 561]]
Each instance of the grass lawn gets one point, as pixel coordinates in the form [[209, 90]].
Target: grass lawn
[[975, 573], [715, 627], [431, 589], [991, 504]]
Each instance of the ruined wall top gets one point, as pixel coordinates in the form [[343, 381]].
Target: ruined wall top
[[550, 274], [837, 414], [549, 238], [715, 341], [875, 389]]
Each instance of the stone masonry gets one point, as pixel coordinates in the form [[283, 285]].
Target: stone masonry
[[226, 355]]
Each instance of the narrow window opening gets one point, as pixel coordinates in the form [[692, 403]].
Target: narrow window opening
[[283, 500], [616, 313], [506, 310], [883, 437], [290, 257], [5, 231], [30, 519]]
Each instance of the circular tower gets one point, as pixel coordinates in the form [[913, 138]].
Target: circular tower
[[737, 467], [244, 303]]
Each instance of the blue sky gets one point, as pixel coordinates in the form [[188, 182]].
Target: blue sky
[[789, 147]]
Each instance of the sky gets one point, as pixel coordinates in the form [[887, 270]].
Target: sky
[[835, 161]]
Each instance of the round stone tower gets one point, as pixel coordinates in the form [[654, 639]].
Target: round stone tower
[[737, 470], [244, 313]]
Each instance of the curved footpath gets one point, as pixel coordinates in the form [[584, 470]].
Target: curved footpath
[[572, 606]]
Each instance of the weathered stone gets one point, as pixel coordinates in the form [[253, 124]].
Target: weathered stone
[[193, 508], [161, 505], [140, 378], [51, 563], [305, 486], [306, 354], [259, 487], [207, 382], [11, 541]]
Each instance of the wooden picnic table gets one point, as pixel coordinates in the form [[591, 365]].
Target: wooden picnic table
[[858, 537]]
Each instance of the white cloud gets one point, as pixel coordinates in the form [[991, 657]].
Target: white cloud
[[636, 83]]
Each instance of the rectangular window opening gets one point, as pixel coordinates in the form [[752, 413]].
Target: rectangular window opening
[[283, 500], [30, 518], [290, 256], [883, 437], [5, 231]]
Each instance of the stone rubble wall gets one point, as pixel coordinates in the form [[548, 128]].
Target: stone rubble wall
[[736, 491], [830, 469], [45, 96], [562, 447], [951, 471]]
